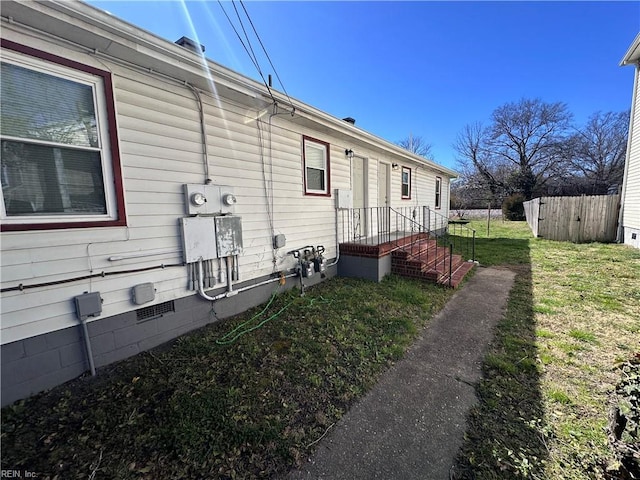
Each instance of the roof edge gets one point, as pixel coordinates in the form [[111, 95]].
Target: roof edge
[[633, 54]]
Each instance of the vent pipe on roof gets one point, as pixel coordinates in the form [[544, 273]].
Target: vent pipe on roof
[[190, 44], [350, 120]]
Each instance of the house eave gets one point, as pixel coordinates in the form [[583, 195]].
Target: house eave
[[632, 57]]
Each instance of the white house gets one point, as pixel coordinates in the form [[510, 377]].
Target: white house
[[147, 190], [630, 209]]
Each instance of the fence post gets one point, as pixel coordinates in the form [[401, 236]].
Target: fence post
[[450, 262], [473, 248]]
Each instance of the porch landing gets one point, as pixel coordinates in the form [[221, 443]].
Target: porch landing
[[413, 255]]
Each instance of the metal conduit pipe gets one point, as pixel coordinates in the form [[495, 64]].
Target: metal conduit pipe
[[230, 293], [335, 262], [87, 343]]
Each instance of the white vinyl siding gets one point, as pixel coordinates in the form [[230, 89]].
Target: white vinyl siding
[[631, 200]]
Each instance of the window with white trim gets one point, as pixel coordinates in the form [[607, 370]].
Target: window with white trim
[[58, 168], [438, 192], [406, 183], [316, 167]]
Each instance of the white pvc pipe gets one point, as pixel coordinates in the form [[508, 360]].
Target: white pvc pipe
[[230, 293]]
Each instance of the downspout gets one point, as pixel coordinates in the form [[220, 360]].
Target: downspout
[[625, 177]]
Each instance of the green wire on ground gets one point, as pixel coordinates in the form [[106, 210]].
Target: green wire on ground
[[237, 332], [244, 327]]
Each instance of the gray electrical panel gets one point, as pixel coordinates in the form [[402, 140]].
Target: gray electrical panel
[[228, 235], [199, 238], [88, 305]]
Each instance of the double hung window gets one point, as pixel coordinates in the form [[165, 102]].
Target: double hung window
[[60, 165], [316, 167], [406, 183]]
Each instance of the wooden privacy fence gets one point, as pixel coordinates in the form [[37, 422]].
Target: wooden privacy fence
[[587, 218]]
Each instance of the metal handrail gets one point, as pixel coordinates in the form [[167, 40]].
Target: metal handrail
[[389, 225]]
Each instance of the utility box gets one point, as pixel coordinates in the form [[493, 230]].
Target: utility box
[[344, 199], [199, 238], [88, 305], [228, 235], [209, 199], [143, 293]]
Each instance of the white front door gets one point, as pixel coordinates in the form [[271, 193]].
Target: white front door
[[384, 194], [359, 187]]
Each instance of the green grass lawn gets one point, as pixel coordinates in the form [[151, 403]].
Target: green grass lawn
[[573, 318], [255, 406]]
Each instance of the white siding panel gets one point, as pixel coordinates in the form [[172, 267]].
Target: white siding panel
[[631, 212]]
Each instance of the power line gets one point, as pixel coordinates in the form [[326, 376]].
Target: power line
[[253, 60], [266, 53]]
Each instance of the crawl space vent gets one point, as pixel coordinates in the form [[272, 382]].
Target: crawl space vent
[[153, 311]]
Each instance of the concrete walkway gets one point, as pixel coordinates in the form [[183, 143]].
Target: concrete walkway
[[411, 425]]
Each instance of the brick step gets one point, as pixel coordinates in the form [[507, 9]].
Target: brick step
[[425, 260], [414, 249], [423, 264], [442, 266], [458, 275]]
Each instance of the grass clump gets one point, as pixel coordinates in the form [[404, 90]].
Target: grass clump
[[251, 408]]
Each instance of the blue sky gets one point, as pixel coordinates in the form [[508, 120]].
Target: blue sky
[[426, 68]]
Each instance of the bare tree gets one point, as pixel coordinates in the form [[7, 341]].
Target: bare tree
[[596, 153], [526, 136], [483, 177], [416, 145], [519, 150]]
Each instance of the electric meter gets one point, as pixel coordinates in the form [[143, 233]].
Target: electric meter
[[198, 198]]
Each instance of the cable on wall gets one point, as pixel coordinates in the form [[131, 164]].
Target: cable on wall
[[203, 131]]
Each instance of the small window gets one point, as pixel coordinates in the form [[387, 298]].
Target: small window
[[315, 157], [406, 183], [59, 162], [438, 191]]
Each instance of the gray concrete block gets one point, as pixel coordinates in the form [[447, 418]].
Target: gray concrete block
[[135, 333], [116, 355], [29, 368], [11, 393], [66, 336], [103, 343], [174, 320], [12, 351], [373, 269], [64, 375], [109, 324], [161, 338], [73, 354], [35, 345]]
